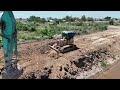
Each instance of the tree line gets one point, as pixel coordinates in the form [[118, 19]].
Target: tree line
[[70, 19]]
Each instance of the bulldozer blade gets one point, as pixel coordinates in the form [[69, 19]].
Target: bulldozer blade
[[54, 49]]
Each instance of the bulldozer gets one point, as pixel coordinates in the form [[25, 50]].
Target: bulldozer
[[66, 43]]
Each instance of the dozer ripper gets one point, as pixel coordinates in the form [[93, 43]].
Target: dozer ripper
[[12, 69]]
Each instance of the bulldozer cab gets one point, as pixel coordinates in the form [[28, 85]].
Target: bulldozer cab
[[68, 34]]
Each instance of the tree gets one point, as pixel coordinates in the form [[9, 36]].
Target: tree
[[49, 18], [90, 19], [107, 18], [33, 18], [60, 20], [115, 18], [68, 18], [83, 18], [43, 20], [73, 19], [37, 19], [20, 18]]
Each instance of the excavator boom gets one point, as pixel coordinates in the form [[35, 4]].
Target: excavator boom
[[9, 43]]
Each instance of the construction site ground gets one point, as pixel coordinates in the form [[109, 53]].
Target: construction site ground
[[97, 57]]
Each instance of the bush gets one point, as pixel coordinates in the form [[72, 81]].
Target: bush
[[26, 26], [104, 64], [77, 23], [91, 27], [116, 23], [21, 27], [41, 31], [90, 19], [32, 29], [50, 35], [25, 35], [111, 22]]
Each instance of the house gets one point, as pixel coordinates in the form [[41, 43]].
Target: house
[[77, 20]]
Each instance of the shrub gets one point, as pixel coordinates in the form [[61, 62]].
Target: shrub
[[104, 64], [77, 23], [90, 19], [111, 22], [26, 26], [88, 28], [41, 31], [32, 29], [116, 23]]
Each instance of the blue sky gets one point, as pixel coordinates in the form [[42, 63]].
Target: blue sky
[[60, 14]]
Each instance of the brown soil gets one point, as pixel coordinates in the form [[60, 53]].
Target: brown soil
[[39, 62]]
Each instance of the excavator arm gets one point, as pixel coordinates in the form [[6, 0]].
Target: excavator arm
[[9, 43]]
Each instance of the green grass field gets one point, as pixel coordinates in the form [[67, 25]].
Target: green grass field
[[36, 31]]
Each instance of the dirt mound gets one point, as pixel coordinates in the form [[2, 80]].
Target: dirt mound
[[73, 68], [39, 74]]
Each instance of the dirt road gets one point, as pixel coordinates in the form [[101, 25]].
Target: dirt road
[[112, 73], [39, 62]]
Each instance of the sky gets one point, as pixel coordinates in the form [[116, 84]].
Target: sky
[[61, 14]]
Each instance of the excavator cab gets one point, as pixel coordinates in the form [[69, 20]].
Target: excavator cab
[[65, 44], [68, 34]]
